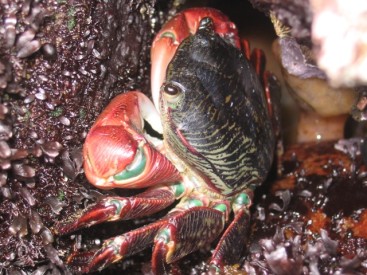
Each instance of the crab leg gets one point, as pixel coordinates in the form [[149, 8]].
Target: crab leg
[[271, 88], [120, 208], [272, 94], [258, 60], [233, 240], [174, 236], [245, 46], [184, 233], [115, 249], [269, 82], [185, 229]]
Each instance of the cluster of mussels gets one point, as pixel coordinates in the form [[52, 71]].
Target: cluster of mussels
[[25, 239], [60, 63]]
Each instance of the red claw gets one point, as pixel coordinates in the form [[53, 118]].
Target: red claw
[[175, 31], [116, 151]]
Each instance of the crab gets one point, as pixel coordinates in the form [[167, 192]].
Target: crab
[[214, 111]]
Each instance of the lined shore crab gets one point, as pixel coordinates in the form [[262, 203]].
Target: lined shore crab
[[218, 126]]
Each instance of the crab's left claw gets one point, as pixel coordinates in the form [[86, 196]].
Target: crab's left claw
[[175, 31]]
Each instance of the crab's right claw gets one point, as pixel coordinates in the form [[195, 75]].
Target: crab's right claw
[[175, 31], [116, 151]]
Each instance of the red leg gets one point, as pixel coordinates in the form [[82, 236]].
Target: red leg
[[272, 94], [115, 249], [258, 60], [271, 87], [120, 208], [176, 235], [184, 233], [233, 240], [245, 45]]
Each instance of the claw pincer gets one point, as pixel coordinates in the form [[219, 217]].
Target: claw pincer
[[217, 121]]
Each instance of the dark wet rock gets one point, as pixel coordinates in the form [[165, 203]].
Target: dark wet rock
[[295, 14], [325, 221], [60, 63]]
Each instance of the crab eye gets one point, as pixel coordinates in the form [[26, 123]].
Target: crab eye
[[173, 93], [172, 89]]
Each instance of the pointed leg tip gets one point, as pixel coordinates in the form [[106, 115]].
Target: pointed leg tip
[[61, 228], [66, 226], [79, 262], [94, 214], [159, 258], [93, 260]]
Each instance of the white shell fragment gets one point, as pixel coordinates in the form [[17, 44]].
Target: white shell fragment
[[339, 29]]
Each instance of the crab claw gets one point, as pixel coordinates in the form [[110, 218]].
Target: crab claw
[[175, 31], [117, 152]]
